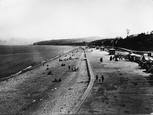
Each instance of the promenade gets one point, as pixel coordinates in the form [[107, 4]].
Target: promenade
[[125, 89]]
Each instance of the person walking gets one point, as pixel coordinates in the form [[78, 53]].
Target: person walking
[[101, 59], [96, 77], [69, 67], [102, 77], [111, 58]]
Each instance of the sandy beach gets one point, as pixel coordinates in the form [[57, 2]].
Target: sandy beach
[[35, 92], [125, 89]]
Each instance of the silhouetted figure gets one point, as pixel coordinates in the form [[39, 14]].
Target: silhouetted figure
[[102, 77], [59, 80], [84, 55], [96, 77], [119, 56], [62, 64], [99, 79], [72, 68], [116, 57], [55, 80], [75, 68], [143, 58], [70, 58], [50, 73], [69, 67], [111, 58], [101, 59]]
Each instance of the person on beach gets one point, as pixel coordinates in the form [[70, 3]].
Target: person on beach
[[50, 72], [59, 80], [69, 67], [72, 68], [116, 57], [111, 58], [102, 77], [101, 59], [55, 80], [84, 55], [96, 77]]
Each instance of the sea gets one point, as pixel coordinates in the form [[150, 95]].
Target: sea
[[14, 59]]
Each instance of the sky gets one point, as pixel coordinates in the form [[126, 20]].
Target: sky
[[28, 21]]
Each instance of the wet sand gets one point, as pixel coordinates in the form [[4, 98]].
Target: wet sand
[[35, 93], [125, 89]]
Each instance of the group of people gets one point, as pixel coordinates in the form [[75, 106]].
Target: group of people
[[100, 79], [116, 57], [73, 68], [57, 80]]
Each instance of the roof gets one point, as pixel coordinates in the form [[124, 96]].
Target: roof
[[135, 55], [112, 49]]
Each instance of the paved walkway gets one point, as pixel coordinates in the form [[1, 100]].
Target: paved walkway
[[125, 89]]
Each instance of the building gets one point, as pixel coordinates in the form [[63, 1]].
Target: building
[[111, 51]]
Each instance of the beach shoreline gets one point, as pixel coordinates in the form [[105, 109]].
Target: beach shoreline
[[29, 92], [16, 58], [33, 66]]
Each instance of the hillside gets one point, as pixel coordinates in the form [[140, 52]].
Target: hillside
[[73, 41], [140, 41]]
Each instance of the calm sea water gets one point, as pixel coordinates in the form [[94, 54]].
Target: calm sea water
[[15, 58]]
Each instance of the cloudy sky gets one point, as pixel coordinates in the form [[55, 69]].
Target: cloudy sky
[[27, 21]]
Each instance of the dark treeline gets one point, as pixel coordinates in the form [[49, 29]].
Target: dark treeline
[[78, 42], [60, 43], [140, 41], [72, 41]]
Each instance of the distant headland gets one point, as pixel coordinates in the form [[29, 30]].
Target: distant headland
[[142, 41]]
